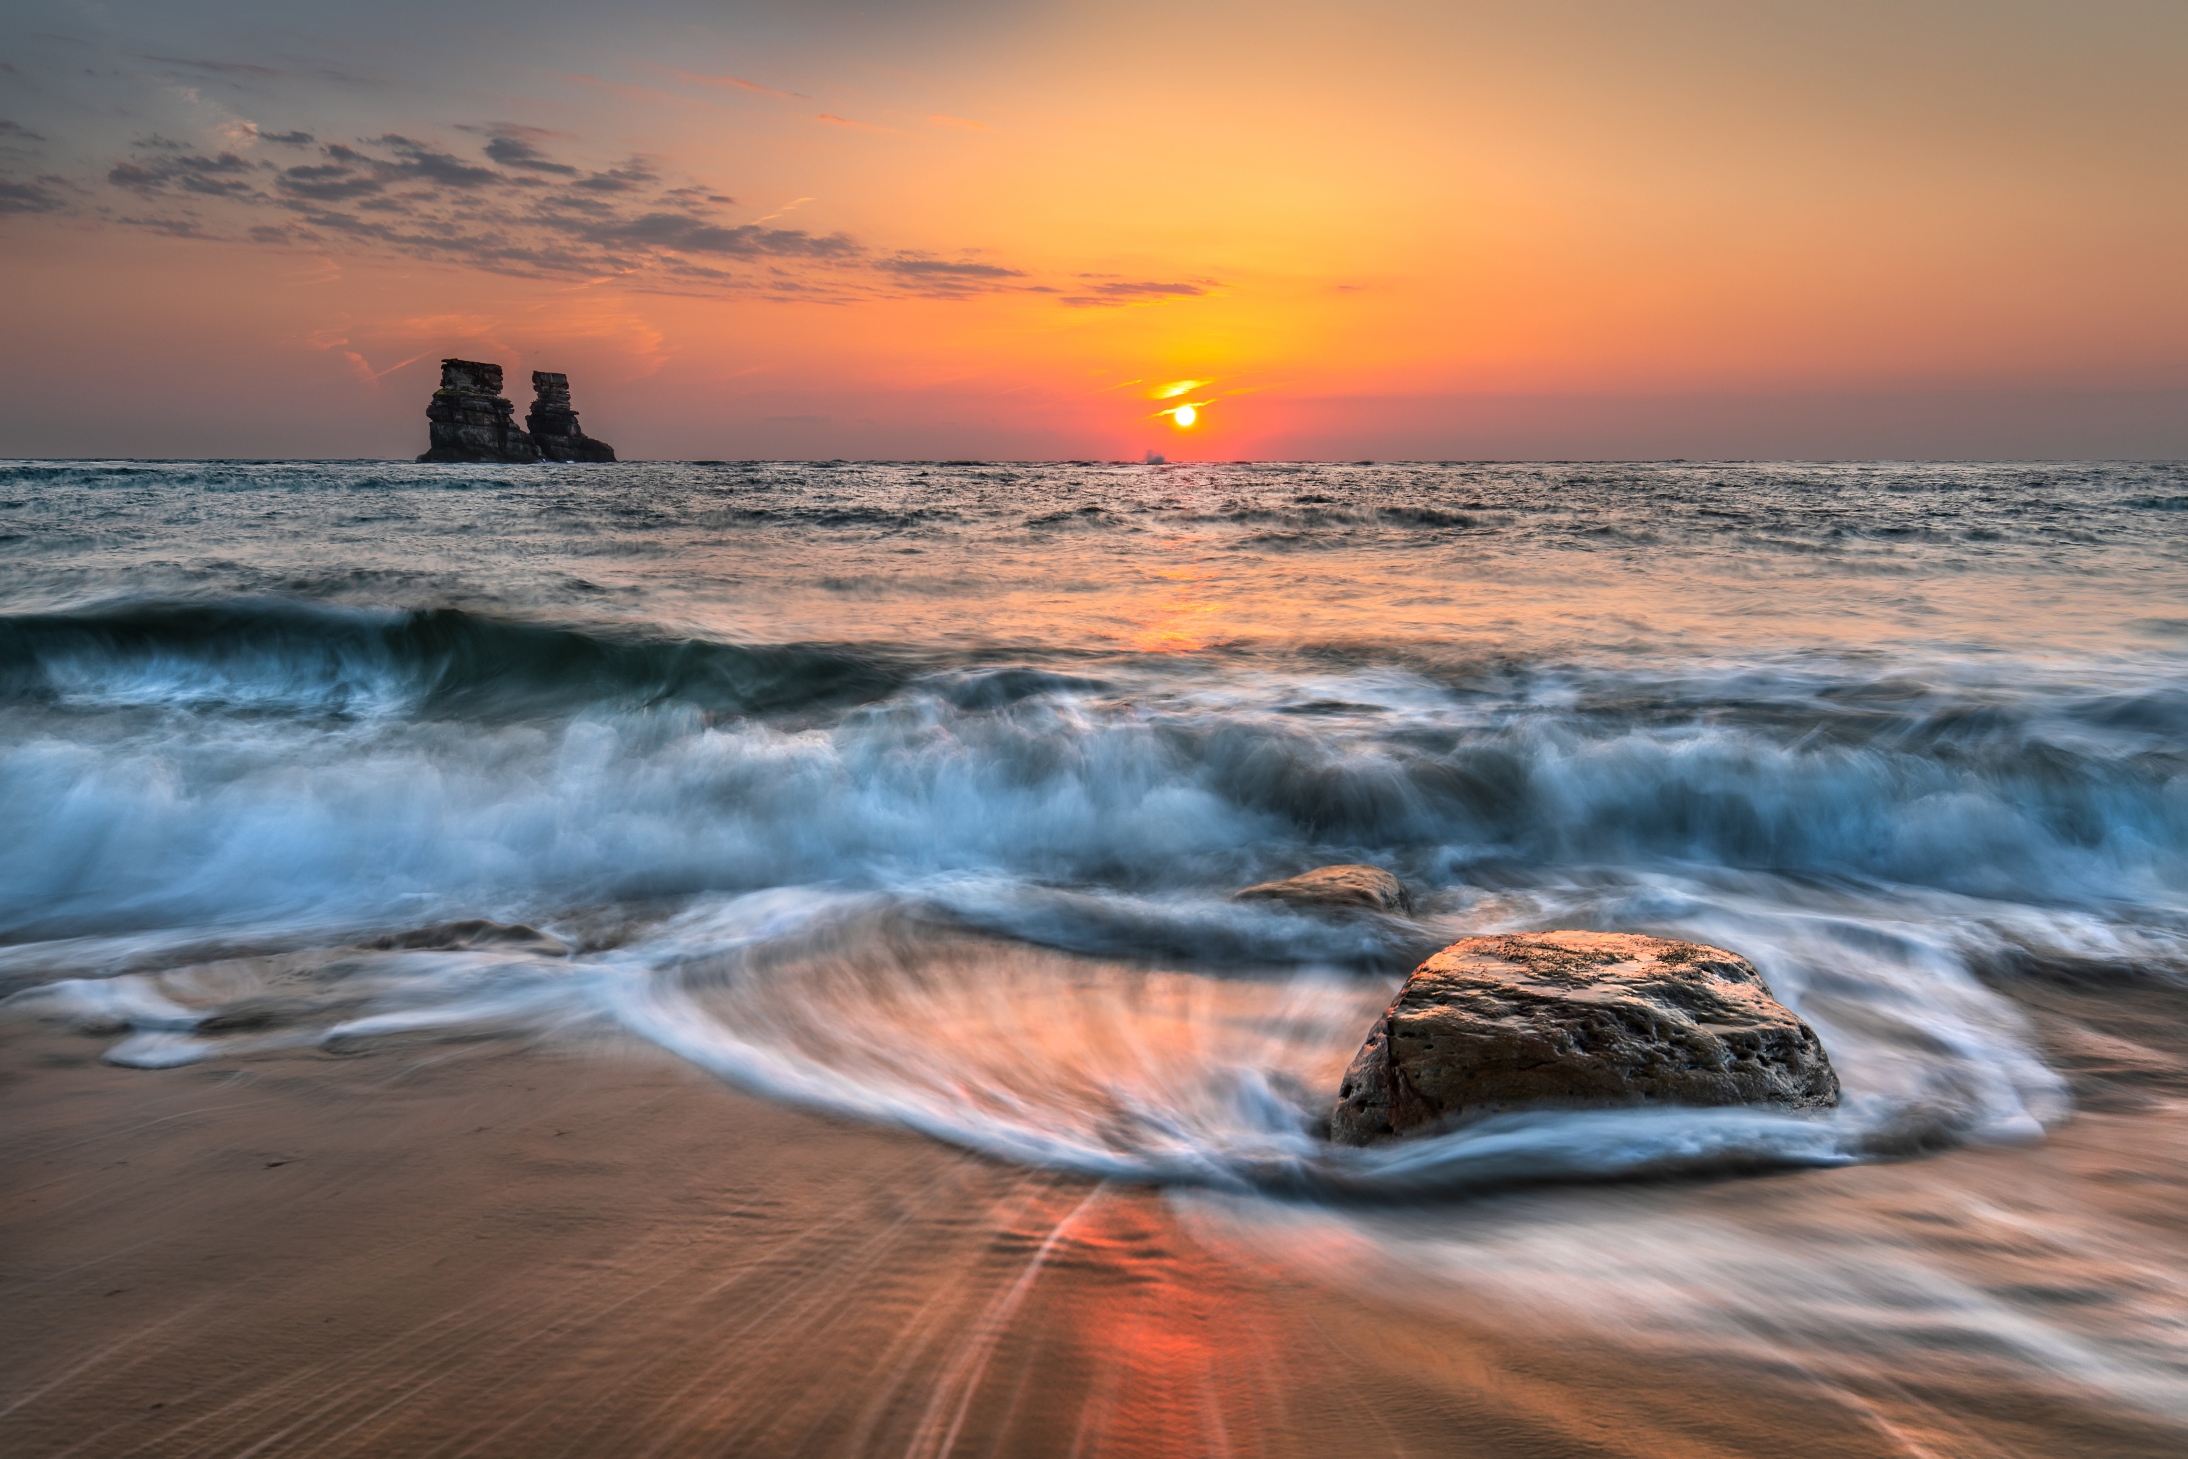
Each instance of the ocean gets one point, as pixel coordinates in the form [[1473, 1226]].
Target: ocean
[[913, 795]]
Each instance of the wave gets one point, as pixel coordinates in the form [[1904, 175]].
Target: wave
[[391, 755], [437, 662]]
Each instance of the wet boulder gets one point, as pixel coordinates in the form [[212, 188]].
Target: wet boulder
[[1370, 887], [1577, 1019]]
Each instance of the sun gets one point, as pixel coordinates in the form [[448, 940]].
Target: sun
[[1185, 415]]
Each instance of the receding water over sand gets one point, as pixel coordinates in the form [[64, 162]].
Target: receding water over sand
[[891, 1072]]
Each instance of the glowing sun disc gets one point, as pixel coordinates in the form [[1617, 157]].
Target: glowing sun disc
[[1186, 415]]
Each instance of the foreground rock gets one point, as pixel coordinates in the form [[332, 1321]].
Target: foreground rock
[[469, 420], [1577, 1019], [1336, 886], [553, 423]]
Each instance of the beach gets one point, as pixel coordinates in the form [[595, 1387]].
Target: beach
[[489, 1249]]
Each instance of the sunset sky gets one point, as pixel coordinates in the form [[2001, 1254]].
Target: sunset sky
[[1565, 228]]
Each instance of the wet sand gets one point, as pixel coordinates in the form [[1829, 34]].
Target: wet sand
[[534, 1248]]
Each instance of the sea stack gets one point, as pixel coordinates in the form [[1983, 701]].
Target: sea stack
[[554, 425], [471, 421]]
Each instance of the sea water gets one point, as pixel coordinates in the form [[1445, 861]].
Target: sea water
[[917, 793]]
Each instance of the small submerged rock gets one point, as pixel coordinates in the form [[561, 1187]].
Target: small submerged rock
[[1336, 886], [1529, 1020], [469, 934]]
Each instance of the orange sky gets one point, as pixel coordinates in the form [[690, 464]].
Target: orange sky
[[841, 229]]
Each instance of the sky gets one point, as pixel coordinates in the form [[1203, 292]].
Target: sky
[[1564, 229]]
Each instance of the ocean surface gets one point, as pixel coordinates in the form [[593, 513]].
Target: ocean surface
[[916, 794]]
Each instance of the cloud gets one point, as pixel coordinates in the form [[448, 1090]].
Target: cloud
[[857, 126], [516, 206], [37, 196], [417, 159], [1176, 388], [221, 176], [1145, 289], [692, 78], [630, 177], [174, 227], [937, 268], [515, 152], [1117, 294], [687, 234], [12, 129], [939, 278], [219, 68], [520, 130], [349, 175], [514, 145]]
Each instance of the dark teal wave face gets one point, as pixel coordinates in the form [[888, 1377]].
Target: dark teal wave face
[[271, 656]]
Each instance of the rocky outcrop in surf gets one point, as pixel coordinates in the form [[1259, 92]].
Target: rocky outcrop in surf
[[553, 423], [1492, 1024], [470, 420], [1369, 887]]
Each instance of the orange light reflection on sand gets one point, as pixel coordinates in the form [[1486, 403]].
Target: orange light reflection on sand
[[1170, 1358]]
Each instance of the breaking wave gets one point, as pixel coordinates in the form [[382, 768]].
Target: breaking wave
[[974, 878], [305, 658]]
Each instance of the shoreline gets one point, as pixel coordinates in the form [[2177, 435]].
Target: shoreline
[[537, 1248]]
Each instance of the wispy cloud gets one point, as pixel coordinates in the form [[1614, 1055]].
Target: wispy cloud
[[219, 68], [1176, 388], [944, 278], [786, 207], [693, 78], [857, 126], [940, 268], [1117, 293], [515, 206]]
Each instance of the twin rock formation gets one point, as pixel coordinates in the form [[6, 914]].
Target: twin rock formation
[[471, 421], [1560, 1019]]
